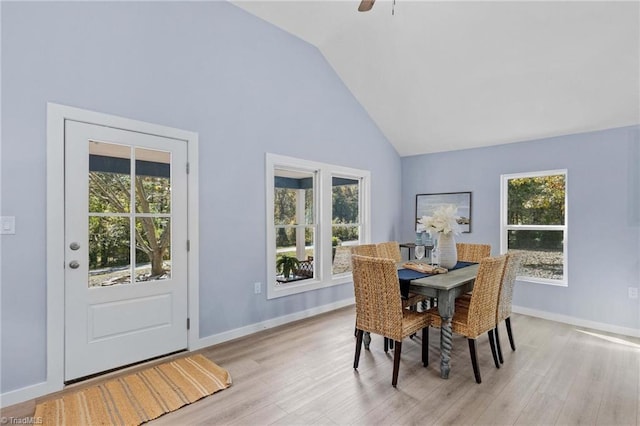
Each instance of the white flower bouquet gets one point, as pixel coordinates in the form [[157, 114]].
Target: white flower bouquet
[[444, 220]]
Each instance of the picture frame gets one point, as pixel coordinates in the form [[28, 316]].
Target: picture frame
[[426, 204]]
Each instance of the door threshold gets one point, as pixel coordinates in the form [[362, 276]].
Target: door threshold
[[114, 372]]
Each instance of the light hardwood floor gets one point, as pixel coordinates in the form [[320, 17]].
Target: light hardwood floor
[[302, 374]]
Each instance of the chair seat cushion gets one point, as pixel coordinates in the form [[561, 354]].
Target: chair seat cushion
[[458, 322], [412, 322]]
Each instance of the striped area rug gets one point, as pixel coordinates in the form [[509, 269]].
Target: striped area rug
[[138, 397]]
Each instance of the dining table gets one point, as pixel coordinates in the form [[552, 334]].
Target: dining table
[[445, 288]]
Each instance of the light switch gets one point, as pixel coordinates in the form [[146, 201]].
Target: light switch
[[7, 225]]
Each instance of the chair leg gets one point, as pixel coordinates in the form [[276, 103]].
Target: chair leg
[[498, 347], [391, 343], [425, 346], [386, 344], [510, 333], [396, 362], [425, 338], [492, 342], [359, 334], [474, 360], [413, 308]]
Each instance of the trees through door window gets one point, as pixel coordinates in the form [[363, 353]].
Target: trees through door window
[[121, 176]]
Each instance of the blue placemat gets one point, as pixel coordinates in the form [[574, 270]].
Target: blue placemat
[[405, 276], [410, 274]]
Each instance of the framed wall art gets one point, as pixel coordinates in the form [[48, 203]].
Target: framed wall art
[[427, 203]]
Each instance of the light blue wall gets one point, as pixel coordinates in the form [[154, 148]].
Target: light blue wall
[[245, 86], [603, 214], [248, 88]]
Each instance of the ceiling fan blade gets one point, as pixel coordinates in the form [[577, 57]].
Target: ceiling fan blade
[[365, 5]]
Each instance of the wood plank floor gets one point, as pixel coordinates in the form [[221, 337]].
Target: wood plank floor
[[301, 374]]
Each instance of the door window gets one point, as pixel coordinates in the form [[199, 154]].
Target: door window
[[125, 242]]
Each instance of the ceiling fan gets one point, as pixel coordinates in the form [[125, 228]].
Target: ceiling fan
[[365, 5]]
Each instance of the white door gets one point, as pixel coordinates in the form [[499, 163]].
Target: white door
[[125, 247]]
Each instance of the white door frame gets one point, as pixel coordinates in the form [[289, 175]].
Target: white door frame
[[56, 116]]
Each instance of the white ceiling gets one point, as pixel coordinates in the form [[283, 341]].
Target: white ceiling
[[447, 75]]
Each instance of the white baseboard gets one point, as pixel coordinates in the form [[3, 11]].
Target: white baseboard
[[275, 322], [26, 393], [626, 331]]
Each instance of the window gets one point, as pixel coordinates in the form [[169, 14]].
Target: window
[[114, 215], [534, 223], [302, 196], [294, 216], [345, 221]]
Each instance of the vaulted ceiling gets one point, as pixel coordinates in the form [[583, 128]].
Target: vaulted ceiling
[[447, 75]]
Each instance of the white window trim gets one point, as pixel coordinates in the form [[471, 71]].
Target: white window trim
[[322, 257], [505, 227]]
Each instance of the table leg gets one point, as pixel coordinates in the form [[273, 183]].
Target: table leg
[[446, 337], [446, 305], [366, 339]]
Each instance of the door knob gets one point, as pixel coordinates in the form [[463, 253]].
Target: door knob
[[74, 264]]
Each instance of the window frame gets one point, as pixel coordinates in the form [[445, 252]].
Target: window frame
[[505, 227], [361, 209], [300, 203], [324, 172]]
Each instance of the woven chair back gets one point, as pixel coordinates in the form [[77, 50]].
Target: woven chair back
[[484, 299], [506, 291], [390, 250], [472, 252], [377, 292], [365, 250]]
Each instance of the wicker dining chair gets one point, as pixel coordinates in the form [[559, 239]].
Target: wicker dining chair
[[480, 317], [365, 250], [385, 250], [503, 312], [371, 250], [391, 250], [472, 252], [379, 309]]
